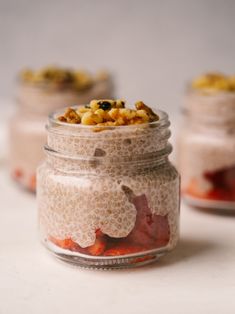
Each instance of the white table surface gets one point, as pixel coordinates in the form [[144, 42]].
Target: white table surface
[[198, 277]]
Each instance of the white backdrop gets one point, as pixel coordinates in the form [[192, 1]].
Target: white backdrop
[[152, 47]]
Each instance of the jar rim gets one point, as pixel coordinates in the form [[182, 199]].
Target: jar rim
[[52, 118]]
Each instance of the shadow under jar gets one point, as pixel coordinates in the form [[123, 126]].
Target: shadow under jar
[[206, 149], [108, 198], [27, 133]]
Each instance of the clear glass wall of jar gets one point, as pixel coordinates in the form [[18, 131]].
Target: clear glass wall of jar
[[27, 133], [108, 198], [206, 149]]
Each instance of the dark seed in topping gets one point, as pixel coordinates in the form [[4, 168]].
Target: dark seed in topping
[[99, 152], [127, 141], [67, 78], [48, 75], [105, 105]]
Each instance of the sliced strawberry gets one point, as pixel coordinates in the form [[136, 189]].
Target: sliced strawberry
[[150, 230], [32, 183], [142, 259], [17, 174], [67, 244], [194, 190], [99, 233], [223, 182], [219, 195], [123, 250], [64, 244], [162, 230], [98, 247], [223, 186]]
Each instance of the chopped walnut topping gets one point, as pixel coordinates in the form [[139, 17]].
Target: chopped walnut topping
[[59, 78], [215, 82], [143, 109], [70, 116], [108, 112]]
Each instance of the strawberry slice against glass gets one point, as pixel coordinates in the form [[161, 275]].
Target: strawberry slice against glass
[[123, 249], [150, 230]]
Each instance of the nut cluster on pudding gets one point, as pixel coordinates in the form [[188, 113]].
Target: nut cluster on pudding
[[207, 143], [109, 113], [40, 92], [48, 89], [107, 187], [61, 78], [214, 82]]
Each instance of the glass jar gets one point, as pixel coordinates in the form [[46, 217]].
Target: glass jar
[[27, 127], [206, 149], [108, 198]]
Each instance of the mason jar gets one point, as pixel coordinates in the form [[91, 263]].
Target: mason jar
[[108, 198], [27, 126], [206, 149]]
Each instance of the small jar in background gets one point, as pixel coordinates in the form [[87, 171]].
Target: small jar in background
[[206, 146], [39, 93], [108, 197]]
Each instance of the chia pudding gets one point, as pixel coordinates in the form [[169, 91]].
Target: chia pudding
[[206, 146], [39, 93], [107, 195]]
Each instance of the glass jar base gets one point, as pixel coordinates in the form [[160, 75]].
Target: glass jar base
[[106, 262], [209, 204]]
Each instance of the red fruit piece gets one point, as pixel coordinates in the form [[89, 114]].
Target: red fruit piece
[[150, 230], [98, 247], [223, 182], [123, 250], [64, 244], [99, 233], [219, 195], [142, 259], [17, 173], [223, 186], [67, 244], [32, 183], [193, 190], [162, 230]]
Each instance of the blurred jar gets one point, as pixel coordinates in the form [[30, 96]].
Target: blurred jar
[[110, 198], [206, 146], [39, 93]]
